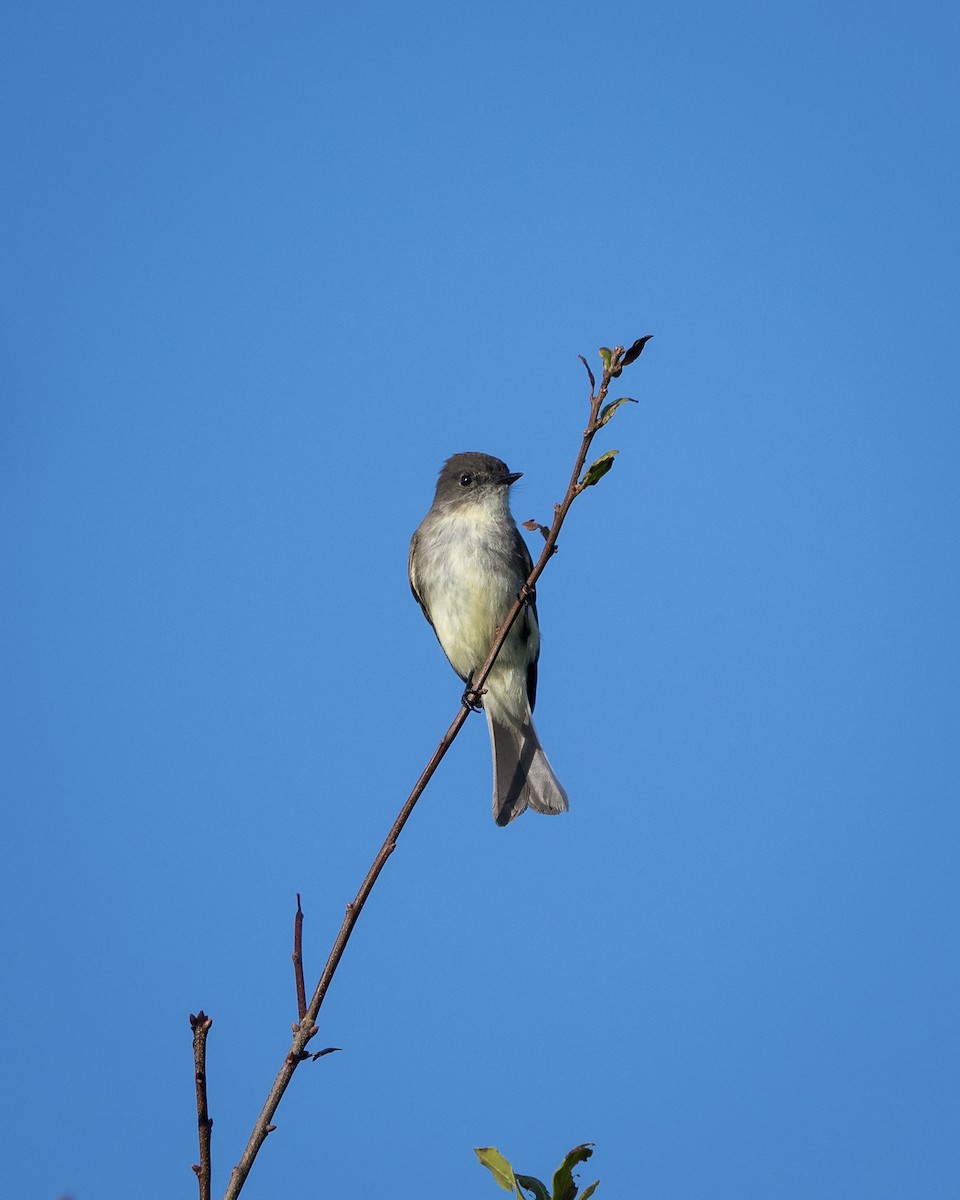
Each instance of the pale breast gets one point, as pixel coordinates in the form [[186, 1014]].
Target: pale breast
[[472, 586]]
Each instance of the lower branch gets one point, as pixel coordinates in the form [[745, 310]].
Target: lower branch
[[307, 1028]]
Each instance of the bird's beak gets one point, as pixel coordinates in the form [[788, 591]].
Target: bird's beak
[[512, 478]]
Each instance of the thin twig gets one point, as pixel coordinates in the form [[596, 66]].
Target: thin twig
[[201, 1027], [298, 961], [307, 1027]]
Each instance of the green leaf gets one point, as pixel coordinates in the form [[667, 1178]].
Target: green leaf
[[579, 1154], [498, 1166], [635, 350], [535, 1186], [595, 472], [563, 1186], [589, 1191], [609, 409]]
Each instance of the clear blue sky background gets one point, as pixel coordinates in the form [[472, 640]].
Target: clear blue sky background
[[264, 268]]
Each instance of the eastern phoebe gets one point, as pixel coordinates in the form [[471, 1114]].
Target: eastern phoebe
[[467, 565]]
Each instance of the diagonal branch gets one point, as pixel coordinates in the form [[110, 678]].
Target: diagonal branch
[[614, 361]]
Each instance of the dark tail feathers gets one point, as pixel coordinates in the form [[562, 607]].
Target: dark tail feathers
[[522, 776]]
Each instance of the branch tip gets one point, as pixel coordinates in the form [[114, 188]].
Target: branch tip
[[201, 1027], [298, 961]]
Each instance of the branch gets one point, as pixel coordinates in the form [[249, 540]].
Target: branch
[[298, 960], [201, 1027], [614, 362]]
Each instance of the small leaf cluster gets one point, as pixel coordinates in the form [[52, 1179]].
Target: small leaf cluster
[[564, 1185], [615, 360], [613, 363]]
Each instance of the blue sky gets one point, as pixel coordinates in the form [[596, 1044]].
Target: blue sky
[[265, 267]]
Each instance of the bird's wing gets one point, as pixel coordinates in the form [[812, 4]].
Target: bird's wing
[[411, 571], [528, 621]]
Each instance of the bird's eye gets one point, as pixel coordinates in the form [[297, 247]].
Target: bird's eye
[[466, 480]]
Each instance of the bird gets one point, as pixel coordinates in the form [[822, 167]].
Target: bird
[[467, 564]]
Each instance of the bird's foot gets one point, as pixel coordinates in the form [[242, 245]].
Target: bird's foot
[[471, 698]]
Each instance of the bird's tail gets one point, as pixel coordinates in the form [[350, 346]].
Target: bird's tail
[[522, 775]]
